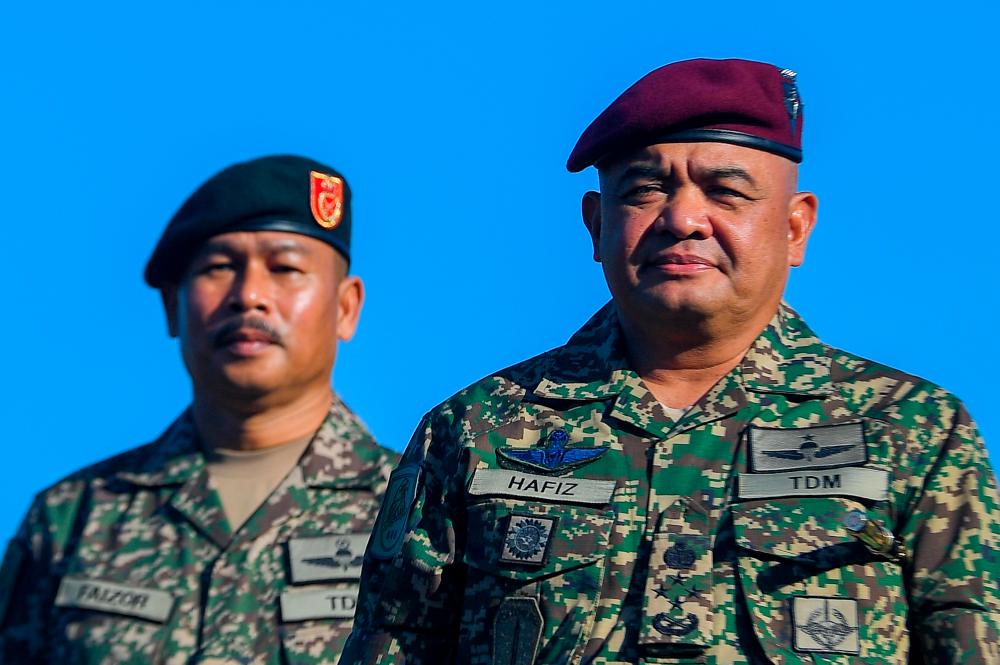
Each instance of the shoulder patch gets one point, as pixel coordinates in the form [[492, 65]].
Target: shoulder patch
[[390, 525], [10, 571]]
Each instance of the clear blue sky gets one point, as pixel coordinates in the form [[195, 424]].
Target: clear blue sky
[[453, 123]]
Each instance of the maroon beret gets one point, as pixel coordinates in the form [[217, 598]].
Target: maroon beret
[[742, 102]]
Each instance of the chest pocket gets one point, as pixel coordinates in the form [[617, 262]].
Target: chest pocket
[[811, 589], [555, 553]]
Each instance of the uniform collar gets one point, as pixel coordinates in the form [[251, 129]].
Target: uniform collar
[[786, 357], [341, 454]]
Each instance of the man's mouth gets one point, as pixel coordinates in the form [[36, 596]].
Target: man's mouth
[[674, 263]]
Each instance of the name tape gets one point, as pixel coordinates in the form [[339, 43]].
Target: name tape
[[502, 482], [861, 482], [150, 604], [300, 605]]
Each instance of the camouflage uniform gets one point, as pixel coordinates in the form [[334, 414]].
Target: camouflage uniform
[[555, 513], [132, 560]]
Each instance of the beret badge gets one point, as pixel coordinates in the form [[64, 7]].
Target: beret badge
[[326, 199]]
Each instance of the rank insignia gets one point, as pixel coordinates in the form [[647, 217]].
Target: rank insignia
[[551, 456], [527, 539], [326, 199], [826, 625]]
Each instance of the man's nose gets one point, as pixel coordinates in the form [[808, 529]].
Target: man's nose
[[686, 215], [251, 290]]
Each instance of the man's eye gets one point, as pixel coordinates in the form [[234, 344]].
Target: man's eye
[[217, 267], [286, 269], [642, 191], [726, 192]]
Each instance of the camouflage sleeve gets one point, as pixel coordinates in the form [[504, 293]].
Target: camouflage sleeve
[[27, 588], [953, 535], [410, 595]]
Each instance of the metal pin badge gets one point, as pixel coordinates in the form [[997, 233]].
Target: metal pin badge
[[873, 535]]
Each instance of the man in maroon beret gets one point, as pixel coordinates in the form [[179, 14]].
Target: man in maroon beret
[[694, 477]]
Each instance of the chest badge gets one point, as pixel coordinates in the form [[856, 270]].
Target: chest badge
[[527, 539], [820, 447], [550, 457]]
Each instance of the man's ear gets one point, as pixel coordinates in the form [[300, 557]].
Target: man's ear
[[801, 220], [169, 296], [591, 207], [350, 298]]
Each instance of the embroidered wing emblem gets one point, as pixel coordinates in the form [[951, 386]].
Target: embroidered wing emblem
[[551, 457]]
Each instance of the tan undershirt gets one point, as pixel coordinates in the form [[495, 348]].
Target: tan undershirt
[[245, 478]]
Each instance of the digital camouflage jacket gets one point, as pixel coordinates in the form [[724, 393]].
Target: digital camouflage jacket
[[132, 560], [811, 507]]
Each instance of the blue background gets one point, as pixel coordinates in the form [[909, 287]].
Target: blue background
[[453, 123]]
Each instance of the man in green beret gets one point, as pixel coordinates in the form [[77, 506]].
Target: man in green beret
[[694, 477], [237, 536]]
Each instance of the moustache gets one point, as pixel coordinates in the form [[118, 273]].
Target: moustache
[[227, 331]]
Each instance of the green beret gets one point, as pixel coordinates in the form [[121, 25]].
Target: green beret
[[280, 193]]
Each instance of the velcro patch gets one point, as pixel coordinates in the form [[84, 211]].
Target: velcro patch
[[520, 485], [149, 604], [807, 448], [854, 481], [304, 604], [527, 539], [826, 625], [327, 557], [390, 525]]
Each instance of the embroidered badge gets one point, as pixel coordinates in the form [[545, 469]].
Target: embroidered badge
[[527, 539], [517, 630], [679, 588], [807, 448], [550, 457], [390, 525], [826, 624], [326, 199], [680, 556], [327, 557]]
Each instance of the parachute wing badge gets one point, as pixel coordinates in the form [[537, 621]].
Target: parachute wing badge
[[390, 527], [551, 457]]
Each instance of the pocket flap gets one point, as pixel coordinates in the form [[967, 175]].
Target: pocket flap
[[523, 541], [796, 528]]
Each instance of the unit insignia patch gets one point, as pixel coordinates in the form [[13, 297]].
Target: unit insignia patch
[[826, 624], [527, 539], [390, 525]]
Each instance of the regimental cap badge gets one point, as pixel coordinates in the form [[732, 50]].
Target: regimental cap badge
[[326, 199], [793, 103]]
